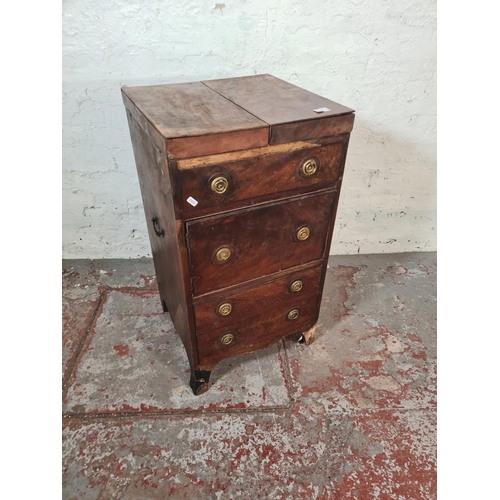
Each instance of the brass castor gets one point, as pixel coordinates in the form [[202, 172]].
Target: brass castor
[[307, 337]]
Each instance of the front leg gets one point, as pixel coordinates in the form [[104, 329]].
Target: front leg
[[307, 337], [199, 381], [164, 305]]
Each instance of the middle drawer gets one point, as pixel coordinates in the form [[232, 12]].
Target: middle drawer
[[230, 307], [229, 249]]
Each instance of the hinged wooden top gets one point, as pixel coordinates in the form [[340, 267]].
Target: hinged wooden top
[[232, 114], [275, 101]]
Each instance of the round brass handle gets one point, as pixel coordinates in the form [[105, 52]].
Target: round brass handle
[[293, 314], [223, 254], [303, 233], [309, 167], [226, 339], [219, 185], [296, 286], [225, 309]]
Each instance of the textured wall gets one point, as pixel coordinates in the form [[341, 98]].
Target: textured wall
[[378, 57]]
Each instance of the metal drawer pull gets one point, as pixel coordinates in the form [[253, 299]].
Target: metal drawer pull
[[309, 167], [226, 339], [296, 286], [293, 314], [223, 254], [225, 309], [219, 185], [303, 233]]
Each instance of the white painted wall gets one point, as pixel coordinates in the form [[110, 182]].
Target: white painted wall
[[376, 56]]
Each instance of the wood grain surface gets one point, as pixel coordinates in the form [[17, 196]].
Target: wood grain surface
[[188, 147], [205, 161], [185, 111], [253, 334], [254, 177], [262, 241], [311, 129], [251, 301], [273, 100], [169, 252], [256, 132]]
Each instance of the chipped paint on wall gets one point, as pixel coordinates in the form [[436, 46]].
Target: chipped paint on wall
[[382, 64]]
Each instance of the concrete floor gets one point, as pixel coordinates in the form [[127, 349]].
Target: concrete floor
[[351, 416]]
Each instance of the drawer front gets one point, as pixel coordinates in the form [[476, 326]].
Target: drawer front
[[259, 331], [229, 249], [229, 308], [300, 171]]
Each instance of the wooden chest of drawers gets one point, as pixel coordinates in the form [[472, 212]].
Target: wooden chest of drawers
[[240, 180]]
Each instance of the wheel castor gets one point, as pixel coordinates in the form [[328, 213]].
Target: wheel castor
[[307, 337]]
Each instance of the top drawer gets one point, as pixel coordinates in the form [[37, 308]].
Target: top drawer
[[221, 181]]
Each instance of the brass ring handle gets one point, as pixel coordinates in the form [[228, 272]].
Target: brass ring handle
[[157, 229], [293, 314], [223, 254], [309, 167], [296, 286], [225, 309], [303, 233], [226, 339], [219, 185]]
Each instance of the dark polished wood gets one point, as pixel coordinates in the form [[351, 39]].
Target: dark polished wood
[[275, 101], [170, 258], [277, 174], [300, 131], [261, 240], [240, 181], [249, 302], [259, 332], [288, 110], [195, 120]]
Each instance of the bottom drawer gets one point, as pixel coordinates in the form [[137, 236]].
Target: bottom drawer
[[259, 331], [252, 301]]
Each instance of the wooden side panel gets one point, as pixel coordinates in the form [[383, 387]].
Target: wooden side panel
[[259, 299], [258, 332], [169, 254], [251, 178], [261, 241], [332, 225], [145, 124]]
